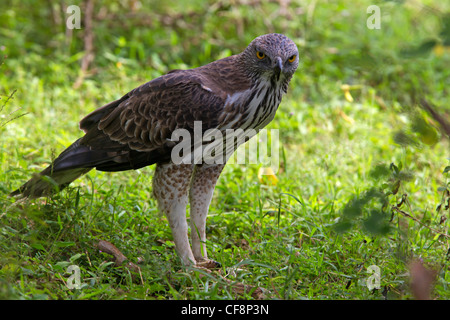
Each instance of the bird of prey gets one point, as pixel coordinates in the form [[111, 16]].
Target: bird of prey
[[242, 91]]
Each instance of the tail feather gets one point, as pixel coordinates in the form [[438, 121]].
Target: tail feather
[[81, 157], [44, 185], [67, 167]]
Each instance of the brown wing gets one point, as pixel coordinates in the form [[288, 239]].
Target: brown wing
[[133, 132], [145, 118]]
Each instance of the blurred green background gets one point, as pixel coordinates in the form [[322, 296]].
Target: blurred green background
[[156, 36]]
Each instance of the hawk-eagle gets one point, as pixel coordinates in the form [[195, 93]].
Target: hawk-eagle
[[242, 91]]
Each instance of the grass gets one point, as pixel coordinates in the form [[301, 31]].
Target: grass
[[282, 238]]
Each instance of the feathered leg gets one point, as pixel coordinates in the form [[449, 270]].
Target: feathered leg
[[201, 191], [170, 188]]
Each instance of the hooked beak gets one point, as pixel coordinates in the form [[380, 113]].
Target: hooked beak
[[278, 67]]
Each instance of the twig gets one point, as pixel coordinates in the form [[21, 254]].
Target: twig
[[7, 99], [418, 221], [2, 124], [119, 257]]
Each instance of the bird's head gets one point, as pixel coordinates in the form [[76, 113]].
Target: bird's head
[[273, 56]]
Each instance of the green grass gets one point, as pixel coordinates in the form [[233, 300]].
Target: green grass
[[283, 238]]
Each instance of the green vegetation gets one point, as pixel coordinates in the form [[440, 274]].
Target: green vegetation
[[364, 177]]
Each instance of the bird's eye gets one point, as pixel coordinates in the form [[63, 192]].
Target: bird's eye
[[292, 58], [260, 55]]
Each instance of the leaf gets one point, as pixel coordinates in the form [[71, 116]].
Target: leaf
[[267, 176], [77, 199], [291, 195], [395, 187], [346, 117], [103, 265], [38, 246], [347, 94], [62, 265], [447, 169], [394, 167], [63, 244], [75, 257]]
